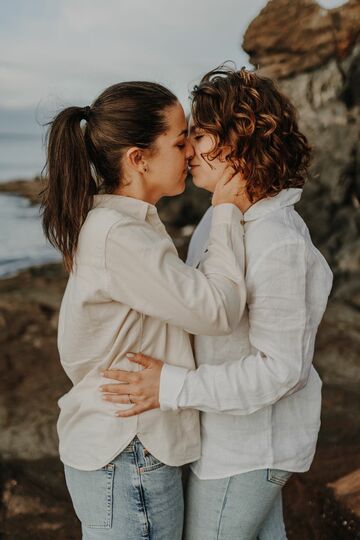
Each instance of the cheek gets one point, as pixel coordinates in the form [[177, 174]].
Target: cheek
[[212, 168], [170, 169]]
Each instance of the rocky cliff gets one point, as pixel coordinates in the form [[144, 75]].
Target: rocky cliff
[[314, 54]]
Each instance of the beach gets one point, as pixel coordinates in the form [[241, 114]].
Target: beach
[[32, 380]]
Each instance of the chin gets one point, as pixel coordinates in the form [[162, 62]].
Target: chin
[[198, 182], [180, 188]]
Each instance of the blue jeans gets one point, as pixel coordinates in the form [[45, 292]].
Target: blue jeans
[[134, 497], [246, 506]]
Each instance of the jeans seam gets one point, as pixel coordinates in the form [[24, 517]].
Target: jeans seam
[[222, 508], [142, 498]]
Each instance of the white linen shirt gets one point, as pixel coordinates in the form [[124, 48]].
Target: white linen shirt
[[129, 291], [259, 393]]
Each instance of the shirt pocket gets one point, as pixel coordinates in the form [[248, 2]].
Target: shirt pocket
[[92, 495]]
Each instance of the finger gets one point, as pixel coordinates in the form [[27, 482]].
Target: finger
[[236, 178], [113, 398], [227, 175], [125, 390], [118, 375], [119, 388], [141, 359], [133, 411]]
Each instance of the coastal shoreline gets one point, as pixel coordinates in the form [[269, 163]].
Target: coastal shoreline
[[24, 188]]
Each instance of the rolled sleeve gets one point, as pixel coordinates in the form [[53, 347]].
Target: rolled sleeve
[[171, 382]]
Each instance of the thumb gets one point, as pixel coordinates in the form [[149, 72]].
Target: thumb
[[226, 176]]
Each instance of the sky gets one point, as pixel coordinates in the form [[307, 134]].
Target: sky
[[65, 52]]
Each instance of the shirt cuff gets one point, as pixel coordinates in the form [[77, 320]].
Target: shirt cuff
[[226, 213], [172, 380]]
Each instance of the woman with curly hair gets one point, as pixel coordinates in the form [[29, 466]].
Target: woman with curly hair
[[258, 391]]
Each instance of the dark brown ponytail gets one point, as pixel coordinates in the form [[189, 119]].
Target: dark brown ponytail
[[83, 161]]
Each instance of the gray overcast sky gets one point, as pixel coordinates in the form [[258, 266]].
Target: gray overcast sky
[[55, 53]]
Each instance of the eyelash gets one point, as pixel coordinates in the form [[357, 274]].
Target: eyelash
[[181, 145], [197, 137]]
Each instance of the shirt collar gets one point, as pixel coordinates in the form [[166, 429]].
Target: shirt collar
[[286, 197], [135, 207]]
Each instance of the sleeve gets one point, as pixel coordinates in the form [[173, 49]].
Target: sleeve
[[145, 272], [280, 364]]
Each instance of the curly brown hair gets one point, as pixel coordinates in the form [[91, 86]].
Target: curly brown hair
[[247, 112]]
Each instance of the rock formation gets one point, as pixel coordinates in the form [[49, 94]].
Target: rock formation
[[314, 54], [293, 36]]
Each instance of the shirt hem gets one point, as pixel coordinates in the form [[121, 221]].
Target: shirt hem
[[236, 472], [95, 466]]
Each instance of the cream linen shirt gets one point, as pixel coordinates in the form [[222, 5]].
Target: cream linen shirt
[[129, 291], [259, 393]]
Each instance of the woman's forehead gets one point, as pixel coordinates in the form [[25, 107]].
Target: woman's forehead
[[177, 124]]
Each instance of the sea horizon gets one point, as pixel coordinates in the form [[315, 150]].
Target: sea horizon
[[22, 156]]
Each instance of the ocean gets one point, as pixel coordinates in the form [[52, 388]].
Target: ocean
[[22, 242], [21, 156]]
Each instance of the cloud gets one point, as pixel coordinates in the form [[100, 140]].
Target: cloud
[[74, 49]]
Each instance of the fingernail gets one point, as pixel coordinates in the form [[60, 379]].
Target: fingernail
[[130, 355]]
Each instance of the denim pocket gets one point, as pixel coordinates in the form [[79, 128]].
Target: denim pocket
[[277, 476], [151, 463], [92, 495]]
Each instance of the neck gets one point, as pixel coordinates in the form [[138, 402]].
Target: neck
[[137, 190], [245, 205]]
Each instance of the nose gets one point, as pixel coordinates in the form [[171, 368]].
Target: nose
[[189, 149]]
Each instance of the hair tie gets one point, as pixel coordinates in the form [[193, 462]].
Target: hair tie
[[86, 112]]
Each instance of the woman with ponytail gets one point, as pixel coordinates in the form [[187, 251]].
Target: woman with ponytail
[[129, 291]]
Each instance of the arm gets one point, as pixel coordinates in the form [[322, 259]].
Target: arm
[[280, 365], [145, 272], [279, 319]]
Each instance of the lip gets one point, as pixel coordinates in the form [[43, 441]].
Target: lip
[[193, 166]]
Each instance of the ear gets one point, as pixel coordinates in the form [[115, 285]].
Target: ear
[[135, 158]]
